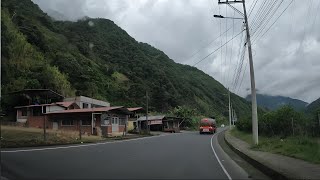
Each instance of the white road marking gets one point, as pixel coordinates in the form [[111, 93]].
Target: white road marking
[[224, 169], [83, 145]]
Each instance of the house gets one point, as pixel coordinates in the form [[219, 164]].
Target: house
[[33, 115], [96, 121], [159, 123], [86, 102], [88, 115], [135, 114]]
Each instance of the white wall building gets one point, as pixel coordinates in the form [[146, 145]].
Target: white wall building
[[86, 102]]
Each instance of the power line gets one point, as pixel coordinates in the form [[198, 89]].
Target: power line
[[205, 46], [238, 62], [221, 49], [275, 20], [218, 48], [266, 16], [262, 14], [253, 7], [231, 48], [226, 54], [258, 31], [315, 17], [258, 12], [239, 68], [244, 72]]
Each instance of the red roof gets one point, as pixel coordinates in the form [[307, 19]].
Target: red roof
[[99, 109], [134, 109]]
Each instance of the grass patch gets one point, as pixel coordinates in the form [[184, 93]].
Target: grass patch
[[12, 137], [301, 147], [27, 137]]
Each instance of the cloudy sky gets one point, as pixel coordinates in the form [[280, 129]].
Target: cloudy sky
[[286, 58]]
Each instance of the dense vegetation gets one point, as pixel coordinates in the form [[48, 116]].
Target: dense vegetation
[[96, 58], [275, 102], [284, 122]]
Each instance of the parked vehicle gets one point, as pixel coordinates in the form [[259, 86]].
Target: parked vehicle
[[207, 125]]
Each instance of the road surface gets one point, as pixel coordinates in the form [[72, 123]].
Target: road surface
[[187, 155]]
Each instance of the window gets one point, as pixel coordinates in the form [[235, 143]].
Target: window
[[106, 122], [85, 105], [67, 122], [86, 122], [122, 120], [105, 119], [24, 112]]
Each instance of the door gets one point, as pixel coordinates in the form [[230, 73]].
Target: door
[[115, 124], [55, 126]]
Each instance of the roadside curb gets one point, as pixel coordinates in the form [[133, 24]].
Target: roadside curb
[[269, 171]]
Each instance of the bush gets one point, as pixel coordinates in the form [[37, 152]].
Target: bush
[[245, 124], [283, 122]]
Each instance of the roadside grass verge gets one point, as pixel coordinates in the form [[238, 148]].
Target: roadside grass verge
[[301, 147], [12, 137]]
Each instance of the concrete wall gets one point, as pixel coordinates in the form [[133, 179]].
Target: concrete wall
[[37, 122], [130, 125], [54, 108], [82, 99], [20, 118]]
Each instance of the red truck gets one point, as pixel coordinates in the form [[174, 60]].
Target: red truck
[[207, 125]]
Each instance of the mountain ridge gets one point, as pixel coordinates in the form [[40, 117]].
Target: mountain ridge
[[274, 102], [313, 107], [95, 57]]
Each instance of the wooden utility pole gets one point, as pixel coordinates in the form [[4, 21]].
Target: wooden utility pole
[[80, 133], [292, 126], [148, 127], [44, 128], [253, 86], [229, 109]]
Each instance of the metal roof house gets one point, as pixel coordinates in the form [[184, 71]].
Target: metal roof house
[[159, 123], [42, 110]]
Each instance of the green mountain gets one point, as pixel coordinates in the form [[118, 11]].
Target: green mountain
[[274, 102], [96, 58], [314, 107]]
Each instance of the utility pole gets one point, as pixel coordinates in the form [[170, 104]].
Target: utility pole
[[292, 126], [44, 128], [253, 86], [232, 117], [80, 133], [231, 114], [229, 109], [148, 127]]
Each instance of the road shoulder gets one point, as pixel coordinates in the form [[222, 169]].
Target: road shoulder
[[274, 165], [234, 170]]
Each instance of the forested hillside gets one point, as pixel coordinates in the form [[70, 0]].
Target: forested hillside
[[96, 58], [314, 107], [275, 102]]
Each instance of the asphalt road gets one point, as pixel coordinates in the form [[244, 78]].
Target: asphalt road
[[187, 155]]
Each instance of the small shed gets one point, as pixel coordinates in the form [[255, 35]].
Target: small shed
[[159, 123]]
